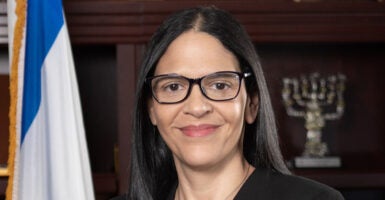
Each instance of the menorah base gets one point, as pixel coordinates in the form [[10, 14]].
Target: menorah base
[[317, 162]]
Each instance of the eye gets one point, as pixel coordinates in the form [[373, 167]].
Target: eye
[[220, 85], [168, 84], [173, 87]]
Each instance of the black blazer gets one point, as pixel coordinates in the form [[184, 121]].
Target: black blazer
[[264, 184]]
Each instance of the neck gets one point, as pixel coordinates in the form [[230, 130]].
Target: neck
[[219, 182]]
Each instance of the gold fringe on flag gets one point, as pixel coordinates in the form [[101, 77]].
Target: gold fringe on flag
[[21, 10]]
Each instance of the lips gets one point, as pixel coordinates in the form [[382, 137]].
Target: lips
[[198, 131]]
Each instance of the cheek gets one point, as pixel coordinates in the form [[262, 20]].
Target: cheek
[[233, 113], [240, 105], [164, 115]]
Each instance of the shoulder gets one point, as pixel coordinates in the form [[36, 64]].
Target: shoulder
[[296, 187], [267, 184]]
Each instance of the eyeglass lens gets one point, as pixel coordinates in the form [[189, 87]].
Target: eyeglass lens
[[218, 86]]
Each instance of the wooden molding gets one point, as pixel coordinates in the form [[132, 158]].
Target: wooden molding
[[134, 22], [117, 22]]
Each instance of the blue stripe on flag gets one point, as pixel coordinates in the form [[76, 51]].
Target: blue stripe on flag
[[44, 21]]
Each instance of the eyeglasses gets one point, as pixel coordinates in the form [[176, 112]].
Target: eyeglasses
[[174, 88]]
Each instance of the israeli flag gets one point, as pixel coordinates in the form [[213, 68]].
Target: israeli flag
[[50, 156]]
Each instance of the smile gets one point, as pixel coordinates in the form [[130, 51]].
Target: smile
[[199, 131]]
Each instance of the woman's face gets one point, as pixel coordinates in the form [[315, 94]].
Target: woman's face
[[201, 132]]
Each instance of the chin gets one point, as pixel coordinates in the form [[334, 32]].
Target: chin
[[202, 160], [200, 165]]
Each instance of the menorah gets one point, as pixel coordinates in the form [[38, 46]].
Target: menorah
[[315, 99]]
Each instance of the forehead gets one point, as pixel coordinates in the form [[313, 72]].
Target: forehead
[[195, 54]]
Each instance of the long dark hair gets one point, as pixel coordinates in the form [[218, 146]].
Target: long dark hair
[[152, 167]]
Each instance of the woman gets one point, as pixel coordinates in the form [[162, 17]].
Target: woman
[[203, 125]]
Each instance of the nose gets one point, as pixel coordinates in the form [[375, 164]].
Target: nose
[[197, 104]]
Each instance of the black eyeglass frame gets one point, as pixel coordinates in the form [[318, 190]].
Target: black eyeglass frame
[[197, 81]]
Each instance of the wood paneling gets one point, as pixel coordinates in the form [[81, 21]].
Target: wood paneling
[[128, 59], [112, 22], [135, 21], [292, 38], [4, 120], [96, 73]]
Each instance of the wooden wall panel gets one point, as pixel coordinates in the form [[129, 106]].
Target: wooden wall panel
[[135, 21], [4, 120], [95, 68], [129, 57], [96, 73], [292, 38]]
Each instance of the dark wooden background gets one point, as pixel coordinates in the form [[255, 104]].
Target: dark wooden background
[[328, 37]]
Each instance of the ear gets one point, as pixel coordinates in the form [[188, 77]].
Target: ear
[[251, 110], [151, 112]]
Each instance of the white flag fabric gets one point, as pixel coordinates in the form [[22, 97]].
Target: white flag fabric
[[51, 158]]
